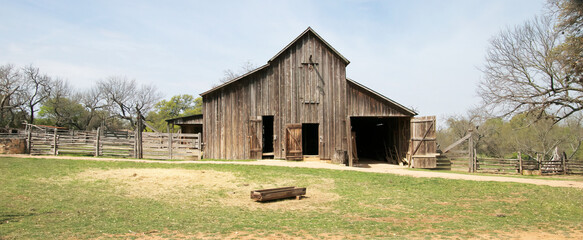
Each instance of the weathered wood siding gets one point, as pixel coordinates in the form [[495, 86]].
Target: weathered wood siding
[[290, 90], [363, 103]]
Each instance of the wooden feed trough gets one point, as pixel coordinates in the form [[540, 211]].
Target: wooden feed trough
[[277, 193]]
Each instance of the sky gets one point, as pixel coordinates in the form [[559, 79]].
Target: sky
[[425, 55]]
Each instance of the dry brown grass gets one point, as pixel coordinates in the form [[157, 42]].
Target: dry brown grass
[[206, 187], [244, 235]]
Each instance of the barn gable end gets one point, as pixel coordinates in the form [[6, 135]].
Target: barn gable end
[[302, 88]]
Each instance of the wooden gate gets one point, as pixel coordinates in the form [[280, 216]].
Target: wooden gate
[[254, 139], [293, 142], [422, 150]]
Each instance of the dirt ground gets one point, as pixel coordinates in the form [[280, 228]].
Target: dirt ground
[[156, 235], [373, 167], [199, 186]]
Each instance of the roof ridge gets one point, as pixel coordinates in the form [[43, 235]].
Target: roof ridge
[[309, 29]]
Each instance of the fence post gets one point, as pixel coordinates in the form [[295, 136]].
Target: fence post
[[55, 141], [519, 162], [475, 161], [169, 141], [139, 153], [29, 139], [199, 142], [470, 153], [564, 162], [97, 142], [199, 138]]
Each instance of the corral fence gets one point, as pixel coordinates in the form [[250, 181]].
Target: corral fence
[[46, 140], [467, 159], [538, 166]]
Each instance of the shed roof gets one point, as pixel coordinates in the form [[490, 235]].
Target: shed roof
[[384, 98], [184, 118], [308, 30]]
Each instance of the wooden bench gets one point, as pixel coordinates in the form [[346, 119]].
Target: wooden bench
[[277, 193]]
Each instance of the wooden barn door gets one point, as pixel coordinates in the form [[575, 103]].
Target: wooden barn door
[[293, 142], [255, 139], [422, 150]]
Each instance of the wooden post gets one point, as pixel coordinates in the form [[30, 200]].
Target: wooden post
[[139, 153], [564, 162], [29, 139], [169, 141], [55, 141], [475, 161], [98, 142], [470, 153], [519, 162], [198, 145], [349, 141]]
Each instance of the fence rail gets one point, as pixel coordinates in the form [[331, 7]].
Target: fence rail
[[42, 141]]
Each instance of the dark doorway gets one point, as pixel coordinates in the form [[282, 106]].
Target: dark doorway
[[377, 138], [310, 138], [267, 137]]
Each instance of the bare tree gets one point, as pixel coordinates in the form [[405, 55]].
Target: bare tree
[[126, 99], [230, 74], [10, 85], [37, 87], [522, 73], [94, 102], [570, 24]]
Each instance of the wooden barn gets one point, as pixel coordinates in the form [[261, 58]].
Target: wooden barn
[[301, 105]]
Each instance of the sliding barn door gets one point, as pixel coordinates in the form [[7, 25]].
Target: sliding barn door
[[255, 139], [293, 142], [422, 150]]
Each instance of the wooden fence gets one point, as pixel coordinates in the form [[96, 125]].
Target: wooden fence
[[43, 141], [461, 158], [521, 166], [181, 146]]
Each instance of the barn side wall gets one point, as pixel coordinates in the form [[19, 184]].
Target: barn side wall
[[290, 89]]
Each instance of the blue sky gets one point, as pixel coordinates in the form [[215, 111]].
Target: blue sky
[[422, 54]]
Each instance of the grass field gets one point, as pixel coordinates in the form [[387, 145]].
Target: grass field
[[73, 199]]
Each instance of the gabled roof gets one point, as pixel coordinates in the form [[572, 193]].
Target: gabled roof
[[308, 30], [235, 79], [406, 109]]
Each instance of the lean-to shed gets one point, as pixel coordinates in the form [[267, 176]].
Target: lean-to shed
[[301, 104]]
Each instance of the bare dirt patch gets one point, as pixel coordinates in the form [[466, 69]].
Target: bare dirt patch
[[207, 187], [244, 235]]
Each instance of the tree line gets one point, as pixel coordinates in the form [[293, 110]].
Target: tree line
[[29, 96], [531, 89]]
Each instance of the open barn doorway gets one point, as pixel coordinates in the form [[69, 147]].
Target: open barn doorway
[[310, 139], [379, 139], [267, 132]]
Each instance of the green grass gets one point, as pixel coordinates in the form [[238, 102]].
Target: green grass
[[45, 199]]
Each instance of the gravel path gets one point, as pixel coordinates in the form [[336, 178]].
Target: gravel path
[[377, 168]]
